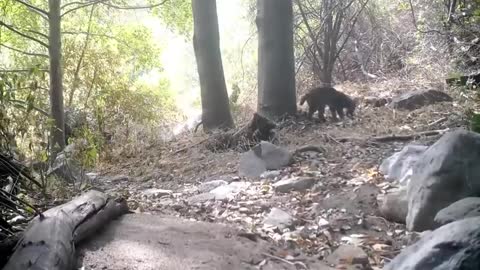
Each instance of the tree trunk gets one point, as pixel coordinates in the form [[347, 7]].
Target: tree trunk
[[48, 242], [206, 43], [56, 77], [276, 68]]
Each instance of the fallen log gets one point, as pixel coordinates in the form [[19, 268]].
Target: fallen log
[[49, 241]]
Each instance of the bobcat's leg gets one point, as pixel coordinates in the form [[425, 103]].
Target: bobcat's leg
[[333, 111], [340, 112], [311, 111], [321, 111]]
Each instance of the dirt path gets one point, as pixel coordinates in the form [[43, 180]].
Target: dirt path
[[148, 242]]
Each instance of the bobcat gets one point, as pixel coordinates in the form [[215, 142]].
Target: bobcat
[[317, 98]]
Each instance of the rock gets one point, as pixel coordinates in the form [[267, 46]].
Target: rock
[[251, 165], [201, 198], [221, 192], [399, 166], [226, 178], [208, 186], [270, 174], [448, 171], [455, 246], [279, 218], [156, 193], [229, 191], [417, 99], [264, 156], [294, 184], [117, 178], [349, 255], [394, 206], [464, 208], [91, 176]]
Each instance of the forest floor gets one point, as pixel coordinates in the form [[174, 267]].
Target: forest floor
[[340, 208]]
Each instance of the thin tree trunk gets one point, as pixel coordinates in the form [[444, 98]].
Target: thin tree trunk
[[276, 66], [56, 77], [206, 42], [76, 76]]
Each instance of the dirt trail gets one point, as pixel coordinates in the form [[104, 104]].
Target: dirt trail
[[149, 242]]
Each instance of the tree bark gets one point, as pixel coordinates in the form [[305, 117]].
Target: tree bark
[[49, 241], [206, 43], [56, 78], [276, 66]]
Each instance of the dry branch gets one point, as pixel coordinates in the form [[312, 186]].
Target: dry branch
[[391, 138], [309, 148]]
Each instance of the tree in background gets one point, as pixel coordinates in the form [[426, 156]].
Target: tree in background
[[206, 43], [276, 71], [327, 25]]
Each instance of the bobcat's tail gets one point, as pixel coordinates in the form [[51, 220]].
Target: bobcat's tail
[[304, 98]]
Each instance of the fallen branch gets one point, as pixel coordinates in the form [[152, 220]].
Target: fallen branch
[[48, 242], [409, 137], [402, 138], [309, 148], [443, 119]]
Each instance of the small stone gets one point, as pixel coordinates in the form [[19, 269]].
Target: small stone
[[294, 184], [244, 210], [270, 174], [156, 193], [208, 186], [279, 218], [201, 198], [349, 254], [229, 191], [118, 178]]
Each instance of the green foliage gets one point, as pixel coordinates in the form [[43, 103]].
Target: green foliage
[[474, 121], [177, 14]]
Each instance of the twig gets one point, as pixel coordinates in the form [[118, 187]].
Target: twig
[[308, 148], [437, 121], [409, 137], [286, 261], [399, 137]]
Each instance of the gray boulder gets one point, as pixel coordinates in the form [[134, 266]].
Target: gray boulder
[[394, 206], [262, 157], [419, 98], [294, 184], [455, 246], [399, 166], [465, 208], [448, 171]]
